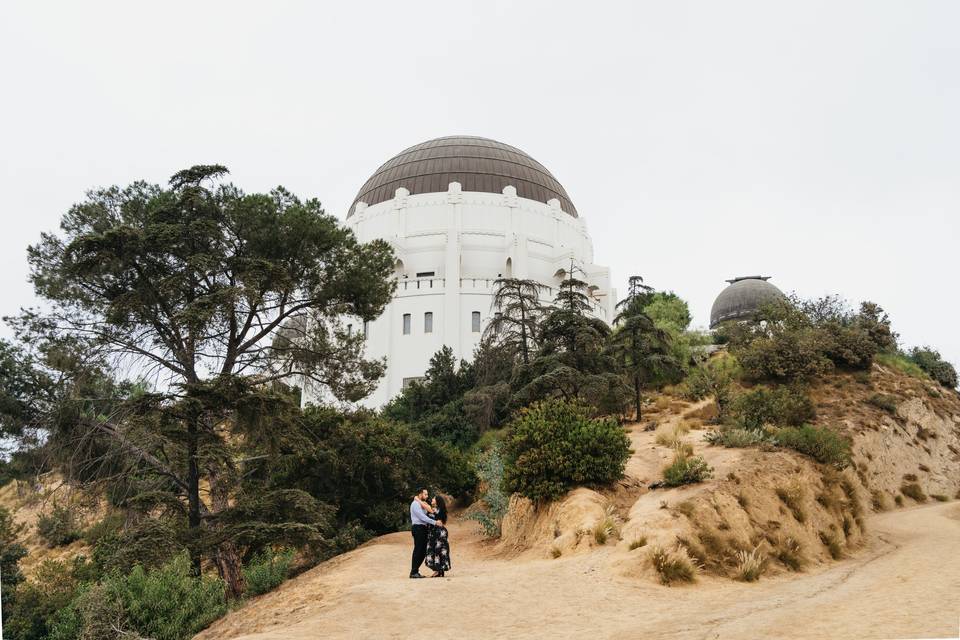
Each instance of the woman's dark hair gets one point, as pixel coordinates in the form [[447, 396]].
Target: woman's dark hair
[[441, 507]]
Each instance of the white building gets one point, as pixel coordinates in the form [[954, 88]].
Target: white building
[[461, 212]]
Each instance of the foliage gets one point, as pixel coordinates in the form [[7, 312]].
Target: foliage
[[781, 405], [148, 542], [59, 527], [11, 552], [668, 311], [642, 349], [267, 570], [715, 377], [750, 565], [36, 602], [686, 469], [554, 446], [901, 363], [490, 470], [820, 443], [735, 438], [935, 366], [228, 298], [790, 339], [517, 312]]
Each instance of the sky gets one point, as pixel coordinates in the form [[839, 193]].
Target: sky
[[814, 142]]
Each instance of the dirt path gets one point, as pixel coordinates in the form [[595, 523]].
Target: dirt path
[[904, 584]]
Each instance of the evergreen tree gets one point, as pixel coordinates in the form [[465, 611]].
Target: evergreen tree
[[223, 300], [517, 312]]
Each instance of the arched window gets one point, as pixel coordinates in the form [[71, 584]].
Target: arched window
[[428, 322], [406, 324], [475, 321], [508, 272]]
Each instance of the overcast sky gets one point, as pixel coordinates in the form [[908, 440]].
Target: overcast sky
[[815, 142]]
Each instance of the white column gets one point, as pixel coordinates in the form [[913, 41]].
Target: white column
[[451, 291]]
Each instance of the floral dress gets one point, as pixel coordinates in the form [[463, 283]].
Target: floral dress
[[438, 549]]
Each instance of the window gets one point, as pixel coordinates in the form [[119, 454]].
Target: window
[[475, 317], [425, 274], [349, 329], [428, 322], [408, 381], [406, 324], [366, 328]]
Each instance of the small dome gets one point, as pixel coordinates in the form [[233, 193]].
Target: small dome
[[478, 164], [742, 299]]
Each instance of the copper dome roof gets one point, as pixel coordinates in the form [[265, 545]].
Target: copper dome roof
[[742, 299], [478, 164]]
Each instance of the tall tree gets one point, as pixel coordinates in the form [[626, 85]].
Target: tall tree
[[639, 346], [517, 312], [214, 295]]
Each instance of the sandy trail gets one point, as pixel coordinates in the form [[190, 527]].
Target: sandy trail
[[904, 584]]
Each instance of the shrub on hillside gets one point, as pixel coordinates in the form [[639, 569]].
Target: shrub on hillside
[[493, 501], [914, 492], [820, 443], [11, 552], [149, 542], [37, 601], [715, 378], [735, 438], [59, 527], [686, 469], [780, 406], [790, 339], [935, 366], [555, 445], [267, 570]]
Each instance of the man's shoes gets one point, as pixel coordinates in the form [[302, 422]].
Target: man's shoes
[[416, 575]]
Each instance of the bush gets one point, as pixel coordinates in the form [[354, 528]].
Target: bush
[[936, 367], [37, 601], [59, 527], [914, 491], [554, 446], [151, 542], [736, 438], [686, 469], [110, 524], [781, 406], [490, 470], [901, 363], [167, 603], [673, 566], [820, 443], [267, 571], [714, 378], [11, 552]]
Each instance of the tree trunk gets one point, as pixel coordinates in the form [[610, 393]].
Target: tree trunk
[[225, 556], [193, 493], [636, 393]]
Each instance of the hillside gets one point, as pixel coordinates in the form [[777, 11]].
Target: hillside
[[827, 538]]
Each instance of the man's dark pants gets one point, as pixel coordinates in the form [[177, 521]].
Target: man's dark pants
[[419, 532]]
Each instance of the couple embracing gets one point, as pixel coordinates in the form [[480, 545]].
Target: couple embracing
[[429, 531]]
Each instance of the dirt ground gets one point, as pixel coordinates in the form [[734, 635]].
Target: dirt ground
[[905, 583]]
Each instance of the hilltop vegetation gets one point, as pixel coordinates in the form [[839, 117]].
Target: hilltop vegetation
[[165, 469]]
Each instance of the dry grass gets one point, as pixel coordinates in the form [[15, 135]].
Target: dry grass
[[555, 552], [750, 565], [832, 543], [608, 527], [939, 497], [671, 434], [638, 542], [790, 553], [914, 492], [792, 497], [673, 566]]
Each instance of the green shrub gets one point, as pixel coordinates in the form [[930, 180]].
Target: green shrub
[[11, 552], [714, 378], [686, 470], [267, 571], [554, 446], [37, 601], [494, 501], [901, 363], [167, 603], [820, 443], [110, 524], [781, 406], [914, 491], [151, 542], [935, 366], [735, 438], [59, 527]]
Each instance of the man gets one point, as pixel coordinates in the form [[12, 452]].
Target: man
[[420, 528]]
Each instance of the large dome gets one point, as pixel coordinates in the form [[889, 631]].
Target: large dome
[[742, 299], [478, 164]]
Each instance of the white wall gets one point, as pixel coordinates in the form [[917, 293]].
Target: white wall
[[465, 238]]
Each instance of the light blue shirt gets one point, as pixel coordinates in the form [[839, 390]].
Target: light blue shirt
[[418, 515]]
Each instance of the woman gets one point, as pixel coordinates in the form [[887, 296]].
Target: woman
[[438, 545]]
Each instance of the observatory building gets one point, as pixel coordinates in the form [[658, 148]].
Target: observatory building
[[742, 299], [461, 212]]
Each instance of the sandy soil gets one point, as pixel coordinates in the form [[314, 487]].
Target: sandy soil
[[905, 583]]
